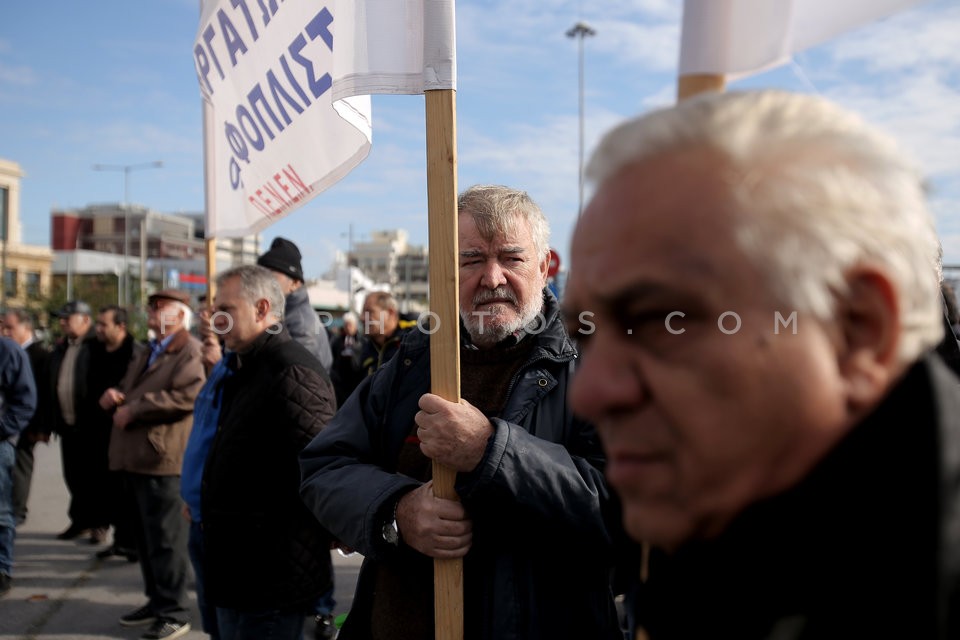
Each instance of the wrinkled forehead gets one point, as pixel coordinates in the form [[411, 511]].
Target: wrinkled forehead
[[482, 233]]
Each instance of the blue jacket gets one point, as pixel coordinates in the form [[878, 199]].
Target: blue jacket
[[545, 522], [206, 417], [18, 391]]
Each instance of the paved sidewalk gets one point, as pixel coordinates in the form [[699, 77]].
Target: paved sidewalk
[[61, 591]]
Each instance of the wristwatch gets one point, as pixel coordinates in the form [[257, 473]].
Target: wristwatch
[[390, 532]]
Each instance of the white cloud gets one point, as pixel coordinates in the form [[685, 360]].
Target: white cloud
[[905, 41], [21, 76], [652, 47], [921, 111]]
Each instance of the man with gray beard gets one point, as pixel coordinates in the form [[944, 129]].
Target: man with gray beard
[[535, 522]]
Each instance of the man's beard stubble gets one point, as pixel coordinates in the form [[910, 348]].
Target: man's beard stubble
[[486, 328]]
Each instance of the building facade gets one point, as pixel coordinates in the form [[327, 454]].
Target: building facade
[[388, 259], [144, 249], [26, 268]]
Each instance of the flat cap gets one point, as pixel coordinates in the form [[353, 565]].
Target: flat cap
[[170, 294], [72, 307]]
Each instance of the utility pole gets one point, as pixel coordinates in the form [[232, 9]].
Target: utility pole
[[580, 30], [126, 169], [4, 232]]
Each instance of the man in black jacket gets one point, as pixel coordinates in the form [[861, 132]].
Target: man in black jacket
[[266, 558], [69, 368], [382, 330], [110, 357], [754, 286], [535, 523], [301, 321], [347, 347]]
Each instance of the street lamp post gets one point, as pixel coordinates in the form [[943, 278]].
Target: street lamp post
[[126, 169], [580, 30], [349, 267]]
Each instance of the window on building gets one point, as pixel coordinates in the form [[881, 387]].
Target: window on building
[[33, 285], [4, 200], [10, 283]]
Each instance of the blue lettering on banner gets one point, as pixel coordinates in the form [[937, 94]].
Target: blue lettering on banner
[[204, 52], [268, 108], [231, 37]]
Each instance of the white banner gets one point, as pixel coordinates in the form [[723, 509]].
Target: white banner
[[740, 37], [286, 94]]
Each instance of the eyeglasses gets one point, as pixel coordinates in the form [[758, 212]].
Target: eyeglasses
[[156, 305]]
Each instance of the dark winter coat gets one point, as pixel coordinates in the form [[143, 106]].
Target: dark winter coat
[[347, 371], [866, 546], [39, 355], [264, 550], [18, 391], [544, 520]]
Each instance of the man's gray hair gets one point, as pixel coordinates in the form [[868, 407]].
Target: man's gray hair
[[257, 283], [816, 192], [187, 314], [22, 315], [494, 209], [382, 300]]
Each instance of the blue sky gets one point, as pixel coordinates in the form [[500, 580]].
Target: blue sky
[[112, 82]]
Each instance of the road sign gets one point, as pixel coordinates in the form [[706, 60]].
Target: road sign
[[554, 267]]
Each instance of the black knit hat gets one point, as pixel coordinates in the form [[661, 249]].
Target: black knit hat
[[284, 257]]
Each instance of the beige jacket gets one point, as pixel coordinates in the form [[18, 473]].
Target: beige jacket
[[161, 401]]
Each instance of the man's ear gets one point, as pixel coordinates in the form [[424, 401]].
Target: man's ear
[[544, 267], [869, 320]]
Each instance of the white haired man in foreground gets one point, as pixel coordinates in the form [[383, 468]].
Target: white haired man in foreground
[[754, 288]]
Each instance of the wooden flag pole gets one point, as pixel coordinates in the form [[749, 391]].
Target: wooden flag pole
[[210, 201], [445, 341], [211, 264], [691, 85]]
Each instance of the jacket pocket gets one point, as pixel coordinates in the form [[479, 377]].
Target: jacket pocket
[[156, 436]]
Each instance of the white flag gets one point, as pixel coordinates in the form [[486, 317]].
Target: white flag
[[286, 94], [740, 37]]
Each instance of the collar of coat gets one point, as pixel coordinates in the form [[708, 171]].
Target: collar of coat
[[178, 342], [270, 335]]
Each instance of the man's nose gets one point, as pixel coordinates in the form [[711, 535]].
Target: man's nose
[[606, 382], [493, 275]]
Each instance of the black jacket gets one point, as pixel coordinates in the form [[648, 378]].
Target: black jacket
[[347, 371], [39, 356], [105, 370], [866, 546], [263, 548], [544, 520], [374, 356]]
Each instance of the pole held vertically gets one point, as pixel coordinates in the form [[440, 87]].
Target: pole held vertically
[[445, 340]]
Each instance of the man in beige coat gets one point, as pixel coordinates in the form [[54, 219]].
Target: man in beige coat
[[151, 422]]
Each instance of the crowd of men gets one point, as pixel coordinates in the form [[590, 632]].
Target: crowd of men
[[737, 415]]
